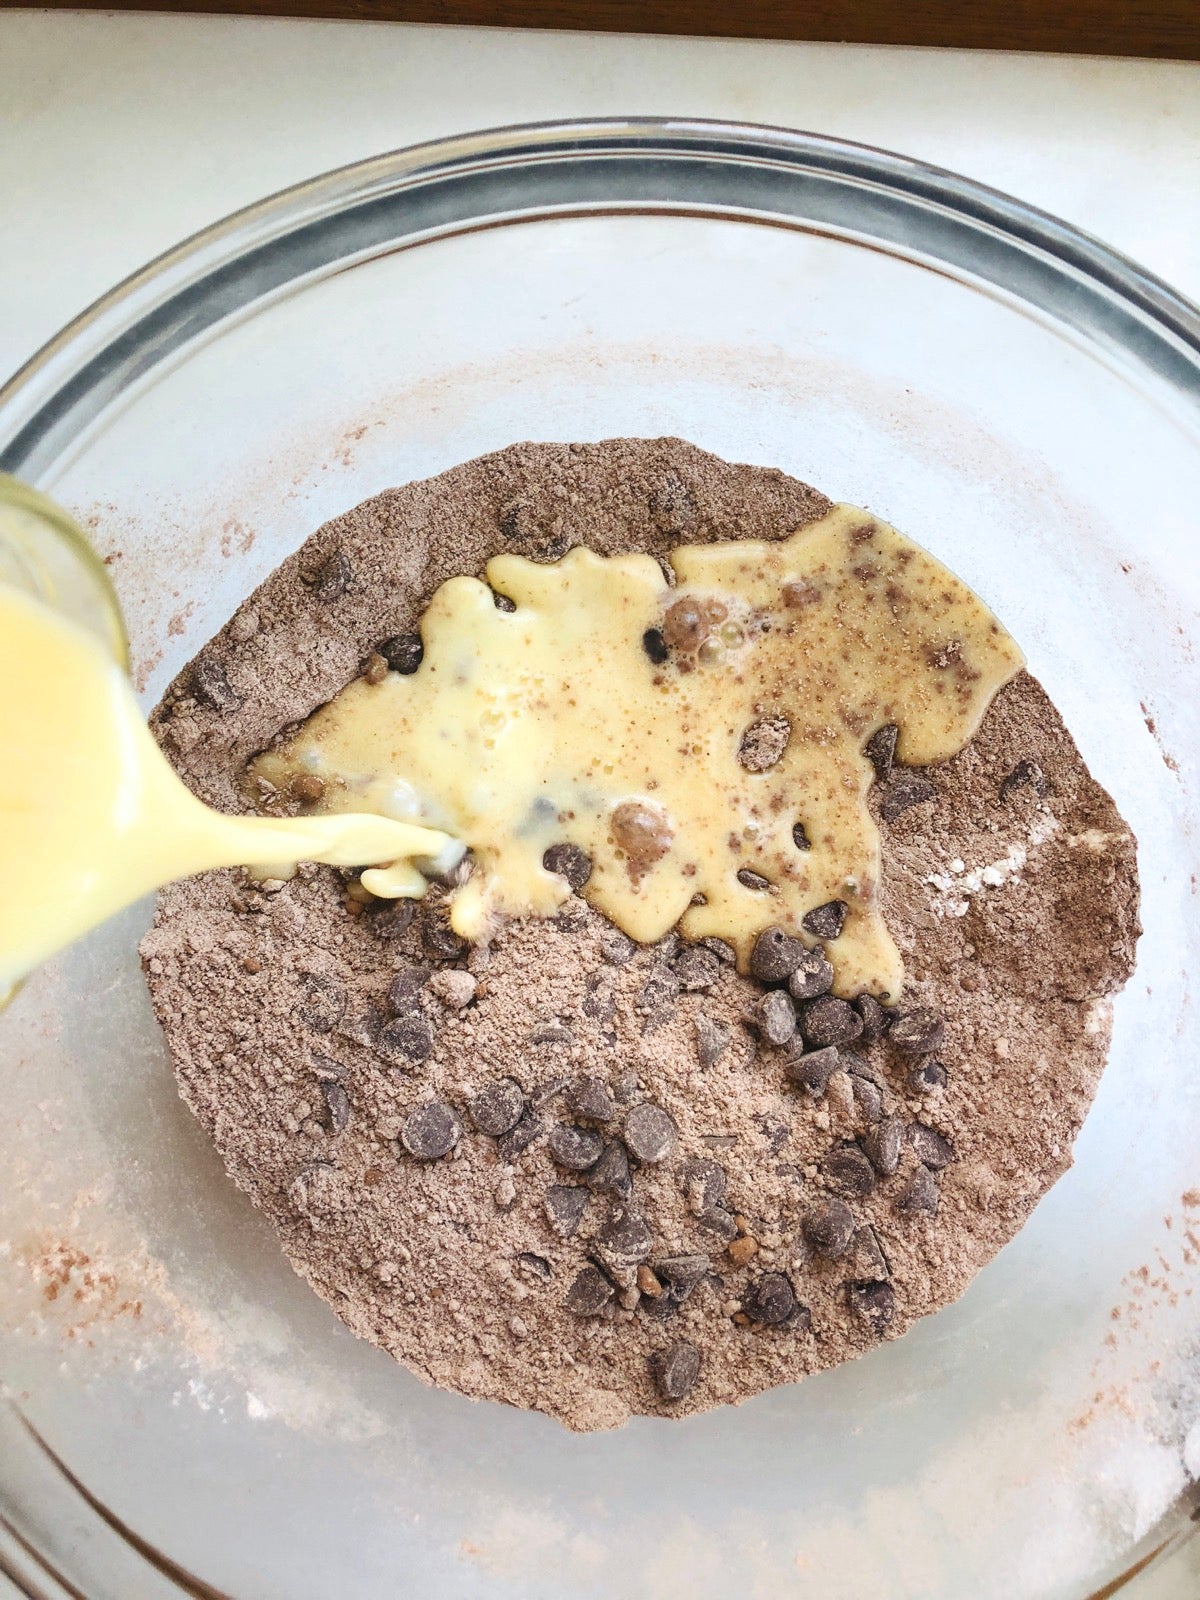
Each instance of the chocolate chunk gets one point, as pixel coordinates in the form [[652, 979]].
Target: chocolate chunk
[[917, 1032], [534, 1268], [390, 918], [405, 988], [704, 1182], [720, 1223], [775, 1017], [921, 1195], [626, 1235], [776, 1132], [930, 1147], [403, 652], [615, 947], [1025, 775], [775, 955], [497, 1107], [573, 1147], [592, 1098], [800, 836], [928, 1075], [880, 750], [829, 1020], [565, 1204], [849, 1171], [518, 1139], [813, 977], [769, 1299], [431, 1131], [611, 1174], [874, 1018], [655, 646], [552, 1033], [675, 1370], [334, 577], [589, 1294], [712, 1040], [570, 862], [337, 1106], [826, 921], [882, 1145], [868, 1096], [873, 1304], [813, 1070], [681, 1274], [753, 880], [906, 789], [650, 1134], [696, 968], [323, 1002], [212, 687], [763, 743], [657, 996], [409, 1037], [829, 1228], [440, 940]]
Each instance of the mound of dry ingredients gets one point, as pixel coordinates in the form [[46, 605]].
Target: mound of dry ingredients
[[593, 1178]]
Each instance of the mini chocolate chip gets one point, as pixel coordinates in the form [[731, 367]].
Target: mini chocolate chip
[[440, 940], [829, 1228], [650, 1134], [565, 1205], [592, 1098], [720, 1223], [518, 1139], [405, 988], [704, 1182], [403, 652], [655, 646], [882, 1145], [930, 1147], [625, 1235], [905, 789], [776, 1132], [569, 862], [211, 685], [334, 577], [696, 968], [681, 1274], [657, 996], [849, 1171], [921, 1194], [880, 750], [868, 1097], [431, 1131], [337, 1105], [873, 1304], [829, 1020], [323, 1004], [589, 1294], [769, 1299], [813, 977], [800, 836], [409, 1036], [611, 1174], [497, 1107], [551, 1033], [826, 921], [534, 1267], [675, 1370], [928, 1075], [712, 1040], [874, 1018], [813, 1070], [775, 1017], [1025, 775], [775, 955], [917, 1032], [753, 880], [390, 918], [615, 947], [763, 743], [575, 1148]]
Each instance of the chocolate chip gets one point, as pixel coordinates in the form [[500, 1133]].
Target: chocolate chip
[[681, 1274], [776, 1132], [337, 1106], [589, 1294], [763, 743], [503, 602], [874, 1018], [611, 1174], [534, 1268], [323, 1002], [657, 996], [917, 1032], [570, 862], [334, 577], [409, 1036], [775, 1017], [906, 789], [882, 1145], [592, 1098], [497, 1107], [880, 750], [829, 1227], [440, 940], [720, 1223], [826, 921], [565, 1205], [403, 652], [829, 1020], [769, 1299], [873, 1304], [1025, 775], [813, 1070], [753, 881], [813, 977], [712, 1040], [431, 1131], [696, 968], [704, 1182], [573, 1147], [849, 1171], [921, 1195], [928, 1075], [615, 947], [865, 1257], [552, 1033], [655, 646], [721, 948], [405, 988], [675, 1370], [800, 836], [390, 918], [775, 955], [650, 1134], [659, 1307], [518, 1139], [626, 1235], [930, 1147], [868, 1096], [212, 687]]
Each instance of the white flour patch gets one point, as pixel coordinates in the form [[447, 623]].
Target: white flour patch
[[956, 886]]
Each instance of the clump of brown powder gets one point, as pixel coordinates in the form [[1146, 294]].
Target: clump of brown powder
[[593, 1178]]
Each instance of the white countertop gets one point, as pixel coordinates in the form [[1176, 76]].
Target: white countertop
[[119, 135]]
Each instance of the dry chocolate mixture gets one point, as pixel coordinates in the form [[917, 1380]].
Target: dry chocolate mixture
[[594, 1178]]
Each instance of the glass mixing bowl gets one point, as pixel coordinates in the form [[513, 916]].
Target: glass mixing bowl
[[185, 1416]]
